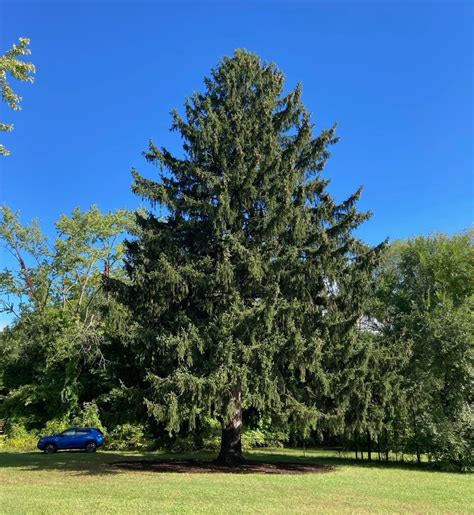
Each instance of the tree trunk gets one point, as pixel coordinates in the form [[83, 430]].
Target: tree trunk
[[415, 430], [369, 447], [197, 434], [231, 439]]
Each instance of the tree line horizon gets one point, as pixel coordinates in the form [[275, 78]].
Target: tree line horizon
[[252, 303]]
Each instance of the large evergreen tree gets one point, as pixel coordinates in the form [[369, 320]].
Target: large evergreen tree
[[248, 282]]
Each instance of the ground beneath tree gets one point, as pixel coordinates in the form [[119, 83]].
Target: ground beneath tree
[[207, 466]]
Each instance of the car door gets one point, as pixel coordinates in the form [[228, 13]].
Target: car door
[[66, 439], [82, 435]]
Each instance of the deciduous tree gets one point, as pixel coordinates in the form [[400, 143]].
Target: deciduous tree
[[55, 296], [426, 288], [18, 69]]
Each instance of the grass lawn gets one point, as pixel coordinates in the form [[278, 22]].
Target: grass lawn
[[79, 483]]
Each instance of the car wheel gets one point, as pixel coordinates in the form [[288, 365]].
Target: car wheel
[[91, 447], [50, 448]]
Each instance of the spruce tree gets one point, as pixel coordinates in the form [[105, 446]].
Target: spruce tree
[[246, 283]]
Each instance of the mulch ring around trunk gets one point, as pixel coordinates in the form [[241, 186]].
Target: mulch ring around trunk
[[207, 466]]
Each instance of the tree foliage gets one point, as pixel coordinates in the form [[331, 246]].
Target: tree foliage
[[10, 64], [242, 296], [248, 291], [56, 296], [425, 297]]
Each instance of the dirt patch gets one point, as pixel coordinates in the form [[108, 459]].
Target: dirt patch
[[199, 467]]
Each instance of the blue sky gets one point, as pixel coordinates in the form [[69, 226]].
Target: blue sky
[[396, 76]]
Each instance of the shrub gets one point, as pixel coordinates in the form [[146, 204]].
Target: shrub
[[211, 434], [56, 425], [89, 416], [128, 437], [263, 437], [453, 441], [252, 438], [18, 438], [184, 444]]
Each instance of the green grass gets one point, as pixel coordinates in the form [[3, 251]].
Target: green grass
[[82, 483]]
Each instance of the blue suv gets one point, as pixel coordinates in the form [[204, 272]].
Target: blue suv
[[86, 438]]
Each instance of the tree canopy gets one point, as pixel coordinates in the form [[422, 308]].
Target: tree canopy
[[55, 293], [18, 69], [425, 299]]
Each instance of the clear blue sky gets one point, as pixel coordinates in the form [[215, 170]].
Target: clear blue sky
[[396, 76]]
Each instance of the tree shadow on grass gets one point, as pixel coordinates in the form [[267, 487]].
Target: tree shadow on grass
[[335, 461], [105, 463], [211, 466], [63, 461], [266, 462]]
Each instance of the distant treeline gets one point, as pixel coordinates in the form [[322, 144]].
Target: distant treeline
[[69, 351]]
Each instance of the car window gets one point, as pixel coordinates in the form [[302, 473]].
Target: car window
[[69, 432], [82, 432]]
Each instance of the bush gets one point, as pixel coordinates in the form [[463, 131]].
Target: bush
[[184, 444], [18, 438], [452, 446], [211, 434], [89, 416], [252, 438], [263, 437], [54, 426], [128, 437]]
